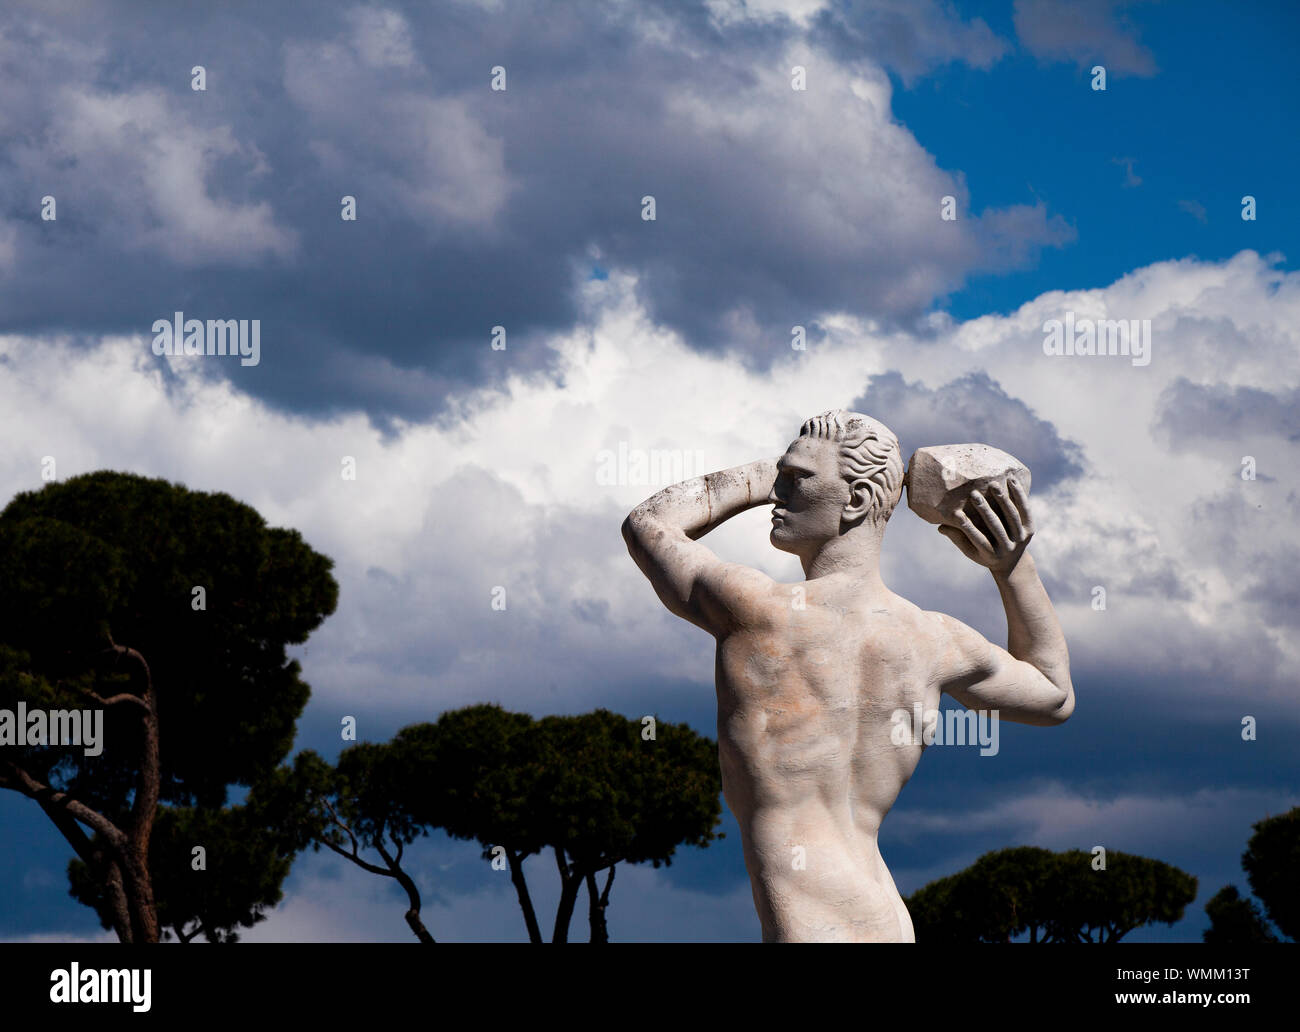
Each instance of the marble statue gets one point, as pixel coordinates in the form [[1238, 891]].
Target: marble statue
[[811, 676]]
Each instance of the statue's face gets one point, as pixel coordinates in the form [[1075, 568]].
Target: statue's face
[[808, 497]]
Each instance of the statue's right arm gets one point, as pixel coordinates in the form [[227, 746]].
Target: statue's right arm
[[1028, 681], [691, 581]]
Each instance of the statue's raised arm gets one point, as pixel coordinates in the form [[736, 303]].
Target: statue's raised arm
[[690, 580], [979, 498]]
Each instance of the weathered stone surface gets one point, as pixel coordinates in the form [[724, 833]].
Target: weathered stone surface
[[940, 479], [821, 684]]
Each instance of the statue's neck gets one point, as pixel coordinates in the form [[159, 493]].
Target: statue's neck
[[856, 553]]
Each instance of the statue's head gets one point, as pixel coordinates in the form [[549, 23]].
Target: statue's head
[[842, 471]]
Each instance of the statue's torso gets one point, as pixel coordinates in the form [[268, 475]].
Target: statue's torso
[[805, 701]]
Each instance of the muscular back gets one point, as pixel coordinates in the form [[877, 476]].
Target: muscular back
[[804, 740]]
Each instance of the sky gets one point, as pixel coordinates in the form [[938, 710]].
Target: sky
[[479, 467]]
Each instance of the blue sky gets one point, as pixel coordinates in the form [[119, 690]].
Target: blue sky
[[775, 208], [1213, 120]]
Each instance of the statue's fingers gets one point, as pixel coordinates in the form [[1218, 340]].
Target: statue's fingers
[[973, 534], [959, 539], [1022, 503], [1008, 510], [995, 527]]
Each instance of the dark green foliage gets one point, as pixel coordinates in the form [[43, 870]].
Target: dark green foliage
[[587, 786], [1271, 861], [1234, 920], [998, 897], [470, 774], [247, 859], [122, 553], [605, 795], [108, 561], [1053, 897]]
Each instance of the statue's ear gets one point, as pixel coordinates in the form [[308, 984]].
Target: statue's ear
[[862, 496]]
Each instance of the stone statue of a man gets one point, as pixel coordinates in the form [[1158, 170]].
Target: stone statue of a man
[[808, 675]]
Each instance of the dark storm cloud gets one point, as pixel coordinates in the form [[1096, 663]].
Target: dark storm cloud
[[1189, 414], [1232, 527], [475, 208], [974, 408], [1275, 585]]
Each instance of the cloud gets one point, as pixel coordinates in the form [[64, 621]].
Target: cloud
[[911, 37], [1058, 817], [8, 246], [1191, 414], [138, 137], [129, 163], [374, 130], [65, 938], [1082, 33], [1130, 177], [728, 12], [382, 37], [974, 408], [479, 207], [504, 491]]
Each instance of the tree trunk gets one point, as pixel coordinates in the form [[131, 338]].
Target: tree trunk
[[417, 926], [570, 883], [132, 850], [99, 856], [596, 904], [521, 890], [139, 896], [413, 897], [143, 811], [412, 914], [412, 890], [117, 899]]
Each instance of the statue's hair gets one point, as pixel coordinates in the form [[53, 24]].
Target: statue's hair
[[868, 450]]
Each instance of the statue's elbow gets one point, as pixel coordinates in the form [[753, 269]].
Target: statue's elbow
[[1062, 712]]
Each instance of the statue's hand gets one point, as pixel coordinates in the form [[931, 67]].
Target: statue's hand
[[990, 541]]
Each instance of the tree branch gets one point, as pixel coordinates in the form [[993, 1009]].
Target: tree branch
[[113, 700], [354, 856], [22, 782], [365, 865]]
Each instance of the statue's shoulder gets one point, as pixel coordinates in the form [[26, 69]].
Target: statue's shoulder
[[751, 598]]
